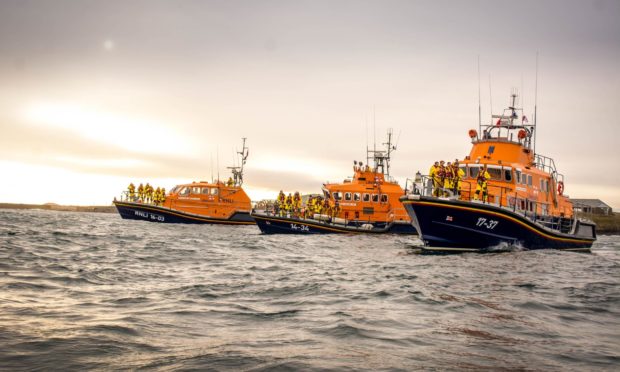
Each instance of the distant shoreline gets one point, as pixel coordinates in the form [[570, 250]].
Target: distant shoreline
[[63, 208], [604, 224]]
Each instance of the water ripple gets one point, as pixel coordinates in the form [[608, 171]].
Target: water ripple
[[91, 291]]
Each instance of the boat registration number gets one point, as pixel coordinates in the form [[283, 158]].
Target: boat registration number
[[489, 224], [147, 215], [297, 227]]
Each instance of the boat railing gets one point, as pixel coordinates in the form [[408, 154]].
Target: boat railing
[[499, 196], [329, 217], [126, 196]]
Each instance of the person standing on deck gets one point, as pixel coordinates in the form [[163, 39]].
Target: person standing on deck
[[459, 174], [131, 194], [448, 179], [140, 192], [441, 175], [482, 187], [433, 175]]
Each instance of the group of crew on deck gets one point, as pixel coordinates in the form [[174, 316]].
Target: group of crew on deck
[[146, 194], [447, 180], [292, 205]]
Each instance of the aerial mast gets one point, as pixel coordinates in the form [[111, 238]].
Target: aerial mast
[[238, 171]]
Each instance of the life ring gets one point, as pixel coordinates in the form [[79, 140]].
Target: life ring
[[560, 188], [521, 134], [473, 133]]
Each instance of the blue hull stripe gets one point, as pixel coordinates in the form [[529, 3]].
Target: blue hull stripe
[[137, 211]]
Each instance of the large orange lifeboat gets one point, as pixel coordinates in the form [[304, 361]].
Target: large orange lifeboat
[[508, 196], [368, 202], [215, 202]]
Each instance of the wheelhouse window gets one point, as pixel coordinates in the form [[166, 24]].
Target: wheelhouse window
[[205, 190], [184, 191], [464, 169], [375, 198], [384, 198], [508, 175], [366, 197], [495, 173], [195, 190], [337, 195], [357, 196], [347, 196], [473, 172]]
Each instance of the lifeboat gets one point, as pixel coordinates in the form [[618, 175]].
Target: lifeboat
[[201, 202], [366, 203], [523, 204]]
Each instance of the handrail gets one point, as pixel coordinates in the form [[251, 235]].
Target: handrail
[[506, 198]]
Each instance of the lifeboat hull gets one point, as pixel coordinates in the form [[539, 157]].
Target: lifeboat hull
[[152, 213], [452, 226], [270, 224]]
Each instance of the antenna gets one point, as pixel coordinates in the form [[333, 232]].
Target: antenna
[[491, 99], [374, 129], [522, 94], [479, 106], [389, 151], [211, 156], [237, 168], [535, 102], [217, 149], [366, 139]]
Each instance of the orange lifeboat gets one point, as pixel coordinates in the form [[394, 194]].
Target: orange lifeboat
[[214, 202], [368, 202], [509, 196]]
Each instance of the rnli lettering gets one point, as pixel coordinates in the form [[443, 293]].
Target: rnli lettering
[[142, 214], [147, 215]]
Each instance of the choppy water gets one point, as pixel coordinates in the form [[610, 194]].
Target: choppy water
[[91, 291]]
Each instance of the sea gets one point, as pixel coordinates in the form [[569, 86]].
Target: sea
[[90, 291]]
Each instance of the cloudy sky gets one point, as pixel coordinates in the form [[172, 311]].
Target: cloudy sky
[[95, 94]]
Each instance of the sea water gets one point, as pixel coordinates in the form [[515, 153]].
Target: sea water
[[81, 291]]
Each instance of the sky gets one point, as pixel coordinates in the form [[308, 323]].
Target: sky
[[97, 94]]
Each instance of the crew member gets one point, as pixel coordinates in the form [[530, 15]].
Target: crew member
[[448, 179], [288, 203], [433, 174], [459, 174], [230, 182], [482, 187], [148, 192], [131, 192], [140, 192], [280, 201], [441, 176], [297, 202]]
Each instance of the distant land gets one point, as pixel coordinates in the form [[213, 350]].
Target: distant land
[[604, 224], [63, 208]]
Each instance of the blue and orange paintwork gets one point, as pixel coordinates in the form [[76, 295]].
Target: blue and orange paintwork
[[526, 192]]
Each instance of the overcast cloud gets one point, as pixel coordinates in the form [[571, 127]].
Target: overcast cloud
[[158, 90]]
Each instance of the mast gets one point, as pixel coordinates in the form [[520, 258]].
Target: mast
[[535, 104], [381, 158], [237, 171], [479, 105]]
